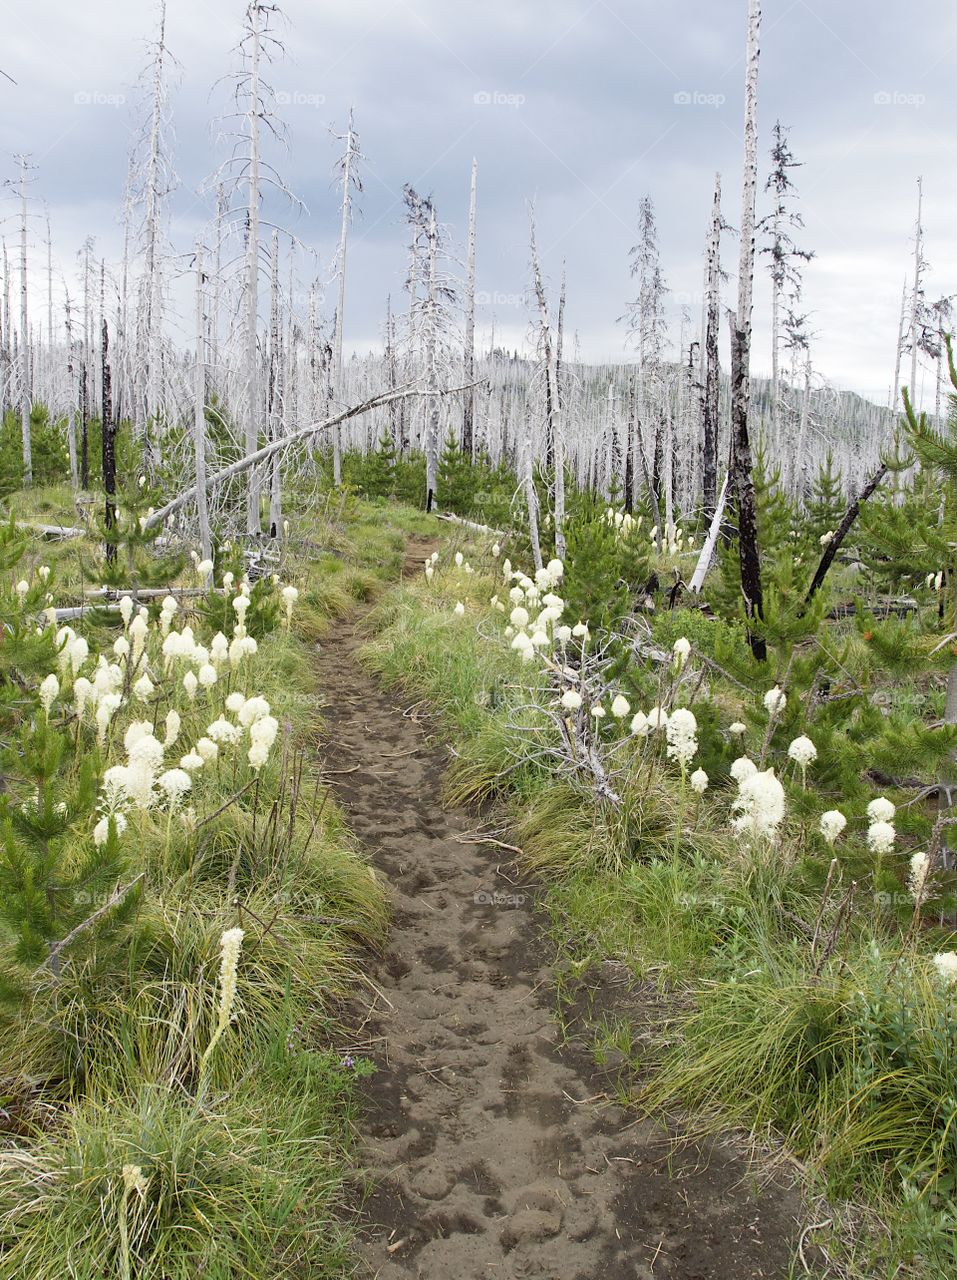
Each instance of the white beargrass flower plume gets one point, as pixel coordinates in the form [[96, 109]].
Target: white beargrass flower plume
[[49, 692], [803, 752], [289, 597], [620, 707], [262, 735], [945, 962], [106, 708], [681, 650], [699, 782], [252, 709], [881, 810], [230, 945], [681, 734], [831, 825], [571, 699], [101, 832], [139, 629], [77, 653], [82, 688], [881, 833], [175, 784], [917, 877], [775, 700], [759, 807], [880, 837], [743, 767]]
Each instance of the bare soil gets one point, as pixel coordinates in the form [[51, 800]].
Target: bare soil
[[493, 1148]]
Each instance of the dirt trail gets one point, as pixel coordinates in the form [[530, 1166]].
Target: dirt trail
[[489, 1153]]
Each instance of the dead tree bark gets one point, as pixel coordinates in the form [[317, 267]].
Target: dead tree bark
[[712, 370], [916, 292], [199, 415], [264, 454], [741, 464], [276, 391], [553, 424], [109, 439], [72, 399], [841, 532], [349, 178], [253, 116], [468, 409], [431, 363], [26, 390]]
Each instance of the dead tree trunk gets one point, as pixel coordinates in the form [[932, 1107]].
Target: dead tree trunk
[[468, 409], [709, 463], [553, 423], [348, 178], [26, 391], [199, 416], [253, 406], [741, 464], [841, 532], [109, 439]]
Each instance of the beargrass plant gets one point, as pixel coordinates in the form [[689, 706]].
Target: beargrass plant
[[735, 850], [170, 1114]]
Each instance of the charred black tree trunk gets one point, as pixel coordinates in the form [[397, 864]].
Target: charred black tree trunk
[[841, 532], [742, 480], [84, 428], [109, 442]]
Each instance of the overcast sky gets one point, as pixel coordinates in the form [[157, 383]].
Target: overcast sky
[[582, 105]]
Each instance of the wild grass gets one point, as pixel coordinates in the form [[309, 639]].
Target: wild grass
[[243, 1153], [757, 1022]]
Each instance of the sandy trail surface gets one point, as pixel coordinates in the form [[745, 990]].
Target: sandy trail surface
[[493, 1148]]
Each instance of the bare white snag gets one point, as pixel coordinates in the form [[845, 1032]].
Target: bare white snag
[[26, 389], [349, 178], [468, 409], [254, 17], [199, 414], [916, 292], [553, 426]]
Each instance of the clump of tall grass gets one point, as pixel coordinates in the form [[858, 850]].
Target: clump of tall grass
[[161, 1129]]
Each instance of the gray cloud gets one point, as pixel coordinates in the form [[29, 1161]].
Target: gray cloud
[[571, 104]]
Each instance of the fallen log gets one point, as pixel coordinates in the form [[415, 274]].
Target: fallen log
[[52, 532]]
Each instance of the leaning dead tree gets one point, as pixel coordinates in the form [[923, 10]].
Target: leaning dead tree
[[741, 464], [268, 451]]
